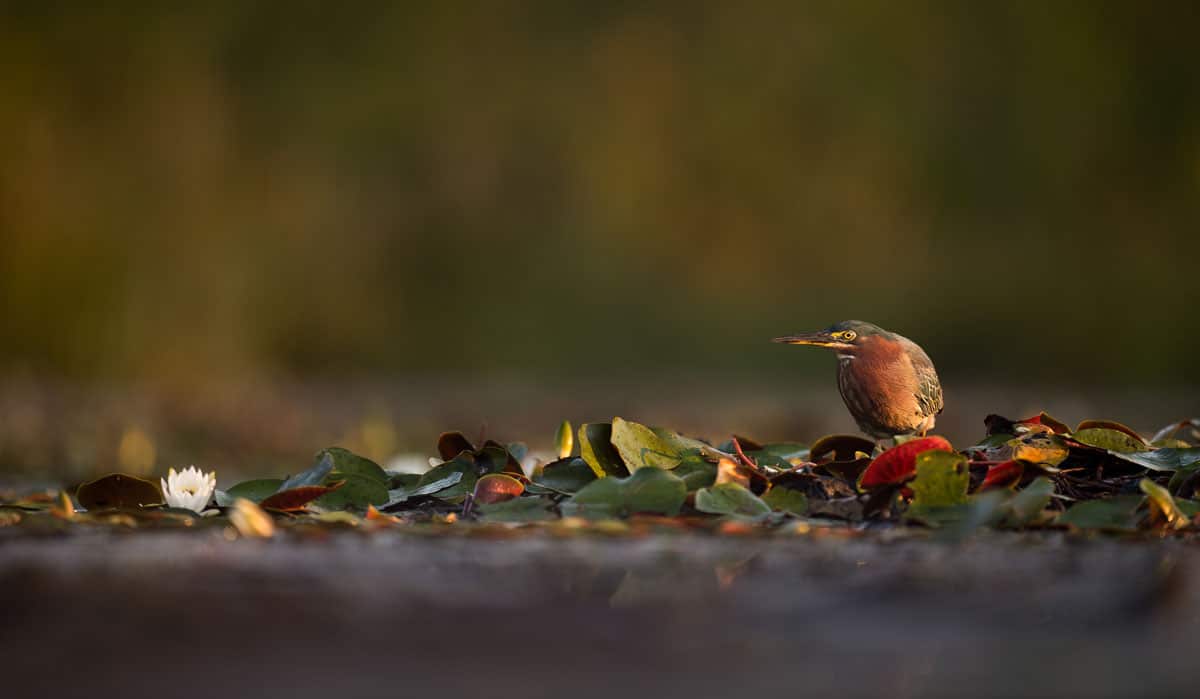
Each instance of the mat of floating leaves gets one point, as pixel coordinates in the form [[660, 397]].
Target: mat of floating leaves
[[623, 477]]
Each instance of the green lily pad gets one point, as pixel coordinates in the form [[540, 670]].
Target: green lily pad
[[648, 490], [1110, 439], [1027, 505], [346, 463], [1115, 513], [941, 483], [445, 481], [786, 500], [527, 509], [595, 447], [464, 465], [640, 447], [730, 499], [357, 492], [696, 472], [255, 491], [1165, 459], [315, 475], [568, 475]]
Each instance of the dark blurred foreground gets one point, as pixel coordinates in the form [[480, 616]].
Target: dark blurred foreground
[[192, 615]]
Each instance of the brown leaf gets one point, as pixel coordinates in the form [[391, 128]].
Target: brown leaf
[[294, 499], [451, 444], [118, 490], [497, 487]]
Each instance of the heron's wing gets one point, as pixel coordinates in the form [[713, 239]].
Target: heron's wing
[[929, 389]]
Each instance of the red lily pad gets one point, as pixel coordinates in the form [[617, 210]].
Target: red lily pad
[[899, 464], [497, 487], [1003, 475], [451, 444], [294, 499]]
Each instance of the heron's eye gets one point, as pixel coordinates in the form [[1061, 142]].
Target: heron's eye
[[848, 336]]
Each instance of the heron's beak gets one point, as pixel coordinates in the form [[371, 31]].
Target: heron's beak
[[816, 339]]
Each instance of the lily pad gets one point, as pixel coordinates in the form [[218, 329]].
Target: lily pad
[[786, 500], [497, 487], [445, 481], [526, 509], [1027, 505], [1115, 513], [730, 499], [118, 490], [648, 490], [1165, 459], [451, 444], [295, 499], [255, 491], [346, 463], [595, 447], [1040, 449], [357, 491], [840, 447], [564, 440], [941, 483], [315, 475], [1109, 439], [568, 475], [640, 447]]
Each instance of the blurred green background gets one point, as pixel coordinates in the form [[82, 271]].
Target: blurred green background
[[539, 192]]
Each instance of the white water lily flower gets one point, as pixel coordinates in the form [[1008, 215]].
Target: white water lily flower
[[189, 489]]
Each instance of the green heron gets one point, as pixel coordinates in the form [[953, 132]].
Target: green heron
[[887, 381]]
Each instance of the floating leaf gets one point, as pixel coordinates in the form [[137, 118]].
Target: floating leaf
[[648, 490], [564, 441], [517, 510], [494, 457], [443, 481], [1163, 510], [1109, 439], [730, 499], [118, 490], [567, 475], [1027, 505], [840, 447], [1165, 459], [254, 491], [357, 491], [640, 447], [497, 487], [595, 447], [786, 500], [1002, 475], [941, 483], [899, 464], [250, 520], [313, 476], [1041, 449], [294, 499], [1111, 425], [451, 444], [346, 463], [1116, 513]]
